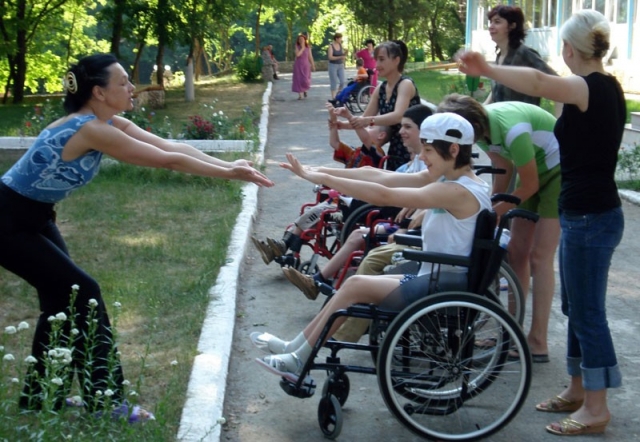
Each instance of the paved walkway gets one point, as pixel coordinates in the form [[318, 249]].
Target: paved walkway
[[256, 409]]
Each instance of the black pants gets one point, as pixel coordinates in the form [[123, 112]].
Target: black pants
[[31, 247]]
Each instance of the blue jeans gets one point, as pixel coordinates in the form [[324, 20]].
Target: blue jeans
[[586, 248]]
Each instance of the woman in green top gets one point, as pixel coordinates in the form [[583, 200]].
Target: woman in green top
[[519, 136]]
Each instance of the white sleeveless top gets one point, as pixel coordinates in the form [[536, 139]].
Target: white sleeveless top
[[444, 233]]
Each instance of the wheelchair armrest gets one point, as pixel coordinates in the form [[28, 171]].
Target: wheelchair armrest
[[436, 258], [406, 239]]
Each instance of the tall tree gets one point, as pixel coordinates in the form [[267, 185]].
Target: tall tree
[[19, 24]]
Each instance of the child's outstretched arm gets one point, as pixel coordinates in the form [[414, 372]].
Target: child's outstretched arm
[[362, 133], [334, 137]]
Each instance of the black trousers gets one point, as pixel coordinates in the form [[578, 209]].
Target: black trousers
[[32, 248]]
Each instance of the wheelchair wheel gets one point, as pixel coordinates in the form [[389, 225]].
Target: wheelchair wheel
[[507, 287], [355, 219], [434, 376], [309, 267], [330, 416], [364, 96], [337, 385]]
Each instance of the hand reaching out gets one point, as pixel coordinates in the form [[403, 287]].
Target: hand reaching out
[[305, 172], [472, 63], [247, 173]]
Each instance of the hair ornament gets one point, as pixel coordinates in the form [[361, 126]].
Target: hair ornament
[[69, 83]]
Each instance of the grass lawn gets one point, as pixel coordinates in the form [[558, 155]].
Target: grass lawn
[[155, 241]]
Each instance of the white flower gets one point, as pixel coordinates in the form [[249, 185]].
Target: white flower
[[221, 113], [174, 362], [23, 326], [56, 381], [126, 382], [221, 420], [118, 353], [75, 331], [8, 357], [133, 393], [15, 380], [117, 304], [75, 287], [61, 316], [99, 393], [1, 347], [108, 392], [93, 302], [30, 360], [51, 318], [10, 330]]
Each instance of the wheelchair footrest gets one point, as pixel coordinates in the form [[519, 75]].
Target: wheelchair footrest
[[306, 390]]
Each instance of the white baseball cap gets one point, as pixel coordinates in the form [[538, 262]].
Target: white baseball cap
[[438, 125]]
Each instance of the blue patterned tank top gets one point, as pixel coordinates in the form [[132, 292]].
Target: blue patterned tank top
[[42, 175]]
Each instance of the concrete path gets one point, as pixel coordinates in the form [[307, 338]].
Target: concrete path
[[256, 409]]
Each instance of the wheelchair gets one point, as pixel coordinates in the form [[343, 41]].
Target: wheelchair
[[433, 373], [359, 98]]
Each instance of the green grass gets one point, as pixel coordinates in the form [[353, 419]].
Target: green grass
[[155, 241]]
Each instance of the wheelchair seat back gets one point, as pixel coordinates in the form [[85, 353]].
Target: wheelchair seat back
[[486, 253]]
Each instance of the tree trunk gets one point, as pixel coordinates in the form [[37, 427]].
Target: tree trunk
[[160, 64], [258, 27], [189, 89], [117, 26], [20, 59], [135, 74]]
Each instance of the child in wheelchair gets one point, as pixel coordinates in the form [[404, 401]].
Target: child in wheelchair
[[371, 153], [448, 227], [311, 285], [361, 79]]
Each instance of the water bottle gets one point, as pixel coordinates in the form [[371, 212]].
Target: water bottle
[[505, 237]]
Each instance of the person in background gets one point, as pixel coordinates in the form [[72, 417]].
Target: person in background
[[65, 157], [506, 27], [360, 79], [269, 66], [589, 134], [302, 67], [337, 55], [390, 99], [369, 60]]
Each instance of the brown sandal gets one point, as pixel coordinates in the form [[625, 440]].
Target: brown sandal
[[571, 427], [559, 404]]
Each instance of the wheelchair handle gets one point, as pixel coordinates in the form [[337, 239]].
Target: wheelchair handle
[[519, 213], [505, 198], [436, 258], [480, 169], [405, 239]]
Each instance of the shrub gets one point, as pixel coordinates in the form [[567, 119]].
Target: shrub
[[216, 125], [249, 67], [629, 161], [42, 116]]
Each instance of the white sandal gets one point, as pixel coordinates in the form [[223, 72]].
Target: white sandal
[[268, 343], [276, 365]]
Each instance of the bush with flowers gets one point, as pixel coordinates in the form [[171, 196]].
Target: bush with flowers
[[60, 410], [216, 125], [41, 116]]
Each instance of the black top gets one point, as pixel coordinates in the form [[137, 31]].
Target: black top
[[589, 143], [398, 153]]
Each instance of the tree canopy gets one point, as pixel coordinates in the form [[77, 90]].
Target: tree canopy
[[39, 39]]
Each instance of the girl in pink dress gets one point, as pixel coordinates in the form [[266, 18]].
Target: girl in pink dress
[[302, 67]]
